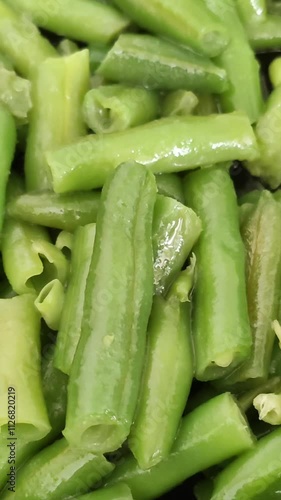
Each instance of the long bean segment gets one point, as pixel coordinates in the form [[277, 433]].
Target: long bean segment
[[179, 103], [222, 340], [252, 475], [60, 211], [210, 434], [85, 20], [262, 240], [21, 42], [115, 107], [20, 373], [167, 375], [56, 118], [72, 313], [238, 60], [267, 131], [110, 353], [15, 93], [158, 64], [30, 260], [59, 472], [49, 303], [176, 229], [7, 150], [164, 146], [252, 11], [186, 21], [265, 35], [170, 185]]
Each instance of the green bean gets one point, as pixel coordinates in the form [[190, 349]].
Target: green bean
[[59, 472], [60, 211], [269, 407], [85, 20], [20, 371], [21, 42], [15, 94], [56, 117], [252, 475], [72, 313], [213, 432], [204, 489], [67, 47], [5, 62], [222, 339], [118, 300], [187, 21], [170, 185], [176, 229], [112, 108], [252, 11], [238, 60], [246, 399], [7, 149], [179, 103], [167, 375], [265, 35], [49, 303], [207, 105], [165, 146], [98, 52], [30, 260], [64, 242], [261, 236], [149, 61]]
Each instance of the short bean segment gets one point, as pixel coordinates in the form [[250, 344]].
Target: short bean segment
[[87, 21], [59, 472], [56, 118], [118, 300], [111, 108], [222, 341], [176, 229], [261, 237], [186, 21], [167, 145], [157, 64], [213, 432], [167, 376]]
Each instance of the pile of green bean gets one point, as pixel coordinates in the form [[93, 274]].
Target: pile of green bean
[[140, 291]]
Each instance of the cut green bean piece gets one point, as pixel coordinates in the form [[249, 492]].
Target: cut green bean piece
[[207, 105], [213, 432], [67, 47], [186, 21], [239, 62], [170, 185], [85, 20], [167, 376], [262, 240], [113, 108], [167, 145], [111, 350], [21, 41], [157, 64], [72, 313], [176, 229], [7, 150], [252, 11], [59, 472], [61, 211], [30, 260], [179, 103], [64, 242], [269, 408], [20, 373], [15, 94], [118, 492], [56, 117], [49, 303], [265, 35], [253, 474], [267, 131], [5, 62], [222, 340]]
